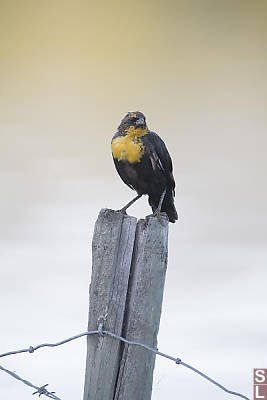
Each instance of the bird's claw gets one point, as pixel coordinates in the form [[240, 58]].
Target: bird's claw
[[158, 214], [123, 211]]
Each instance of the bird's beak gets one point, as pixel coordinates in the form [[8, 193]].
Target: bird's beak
[[140, 122]]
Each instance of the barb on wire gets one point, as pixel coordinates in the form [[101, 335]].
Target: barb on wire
[[42, 390], [39, 390]]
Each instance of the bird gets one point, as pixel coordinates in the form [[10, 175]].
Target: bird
[[143, 162]]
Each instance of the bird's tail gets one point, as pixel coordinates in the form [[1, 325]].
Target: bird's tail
[[167, 206]]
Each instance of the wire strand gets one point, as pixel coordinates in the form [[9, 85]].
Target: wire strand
[[39, 390]]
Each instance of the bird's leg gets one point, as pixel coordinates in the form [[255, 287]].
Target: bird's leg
[[158, 209], [123, 209]]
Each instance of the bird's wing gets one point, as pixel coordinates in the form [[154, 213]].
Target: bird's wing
[[159, 156]]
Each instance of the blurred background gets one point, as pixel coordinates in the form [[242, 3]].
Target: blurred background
[[70, 70]]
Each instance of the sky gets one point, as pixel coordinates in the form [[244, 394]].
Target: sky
[[69, 72]]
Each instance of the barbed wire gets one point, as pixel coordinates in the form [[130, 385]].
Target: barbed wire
[[39, 389], [100, 331]]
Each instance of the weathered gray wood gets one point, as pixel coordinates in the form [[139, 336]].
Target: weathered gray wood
[[128, 275], [143, 310], [112, 248]]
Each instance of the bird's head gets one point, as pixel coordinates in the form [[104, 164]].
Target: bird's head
[[133, 122]]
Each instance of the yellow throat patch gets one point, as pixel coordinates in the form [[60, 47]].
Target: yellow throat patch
[[129, 147]]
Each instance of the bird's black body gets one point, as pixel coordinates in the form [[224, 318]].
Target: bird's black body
[[152, 174]]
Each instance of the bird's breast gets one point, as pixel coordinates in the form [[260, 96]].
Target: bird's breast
[[127, 148]]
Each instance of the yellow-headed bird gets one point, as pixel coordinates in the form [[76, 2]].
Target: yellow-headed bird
[[144, 164]]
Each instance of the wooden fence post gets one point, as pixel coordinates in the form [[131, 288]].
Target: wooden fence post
[[112, 249], [129, 265]]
